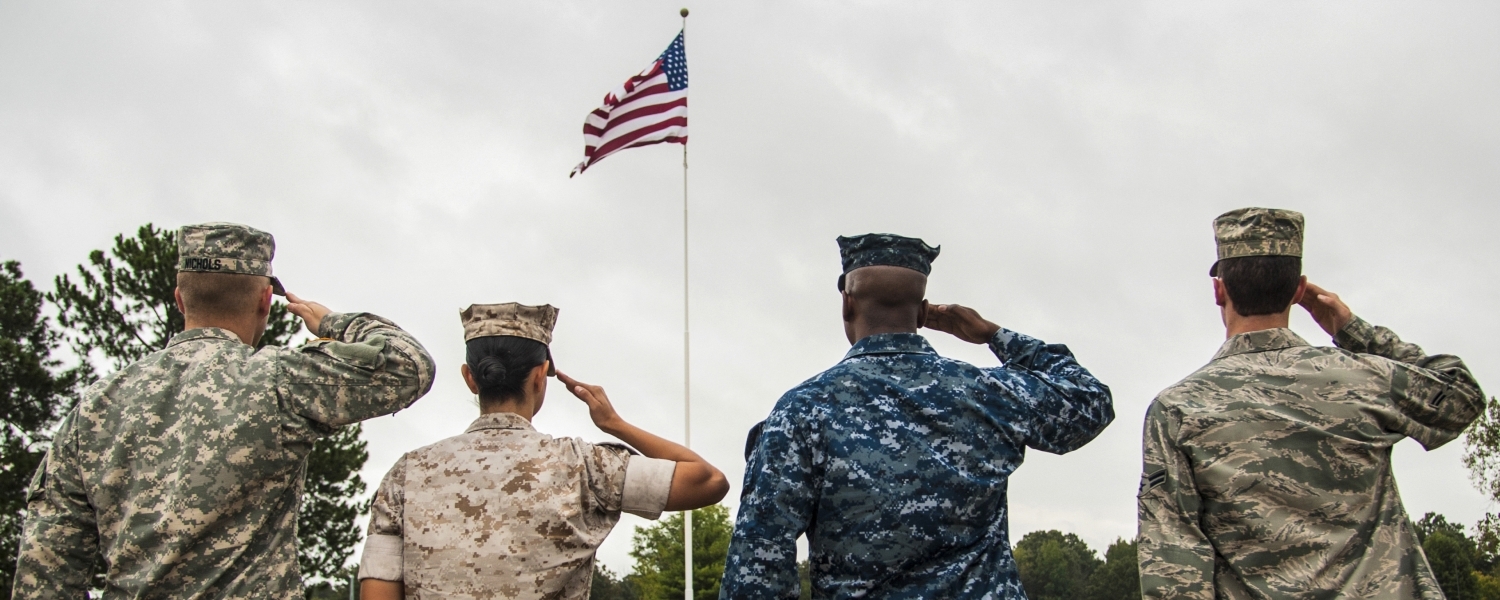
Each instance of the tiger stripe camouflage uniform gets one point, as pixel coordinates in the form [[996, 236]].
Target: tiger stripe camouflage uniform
[[1268, 472], [183, 471]]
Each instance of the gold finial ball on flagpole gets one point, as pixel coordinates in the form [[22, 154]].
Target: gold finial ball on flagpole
[[683, 12]]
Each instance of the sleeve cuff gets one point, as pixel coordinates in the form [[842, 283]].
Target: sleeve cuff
[[333, 324], [1356, 336], [647, 483], [382, 558]]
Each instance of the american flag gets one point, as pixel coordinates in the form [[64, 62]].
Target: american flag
[[650, 108]]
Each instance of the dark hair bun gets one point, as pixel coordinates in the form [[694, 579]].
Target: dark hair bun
[[490, 372]]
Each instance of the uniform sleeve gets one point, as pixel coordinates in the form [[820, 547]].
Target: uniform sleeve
[[606, 467], [1068, 406], [382, 558], [59, 546], [780, 497], [1176, 558], [362, 367], [1435, 397]]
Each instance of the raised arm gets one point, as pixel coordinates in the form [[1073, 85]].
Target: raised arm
[[360, 367], [1068, 405], [59, 544], [1176, 557], [1437, 396], [695, 482]]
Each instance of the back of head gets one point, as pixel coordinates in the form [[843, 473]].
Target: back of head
[[887, 295], [220, 296], [500, 365], [1261, 285], [505, 343], [1259, 258]]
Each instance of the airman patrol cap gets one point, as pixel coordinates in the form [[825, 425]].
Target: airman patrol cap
[[227, 248], [512, 319], [888, 249], [1257, 232]]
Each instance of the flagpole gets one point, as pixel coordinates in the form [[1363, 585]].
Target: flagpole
[[687, 373]]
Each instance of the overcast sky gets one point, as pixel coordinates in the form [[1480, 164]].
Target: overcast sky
[[412, 158]]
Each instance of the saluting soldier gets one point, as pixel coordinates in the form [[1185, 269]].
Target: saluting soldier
[[1268, 471], [505, 511], [183, 471], [895, 462]]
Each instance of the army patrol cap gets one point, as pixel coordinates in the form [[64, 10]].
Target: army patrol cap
[[512, 319], [1257, 232], [872, 249], [227, 248]]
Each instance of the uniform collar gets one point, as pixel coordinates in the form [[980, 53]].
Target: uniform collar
[[204, 333], [502, 420], [1260, 341], [891, 343]]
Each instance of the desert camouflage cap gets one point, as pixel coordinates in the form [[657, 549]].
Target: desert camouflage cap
[[227, 248], [1257, 232], [889, 249], [519, 320]]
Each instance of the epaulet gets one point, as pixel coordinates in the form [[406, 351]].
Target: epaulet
[[624, 447]]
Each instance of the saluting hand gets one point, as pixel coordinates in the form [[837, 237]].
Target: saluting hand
[[1326, 308], [311, 312], [962, 322], [600, 410]]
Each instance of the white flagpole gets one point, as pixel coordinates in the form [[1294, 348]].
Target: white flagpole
[[687, 377]]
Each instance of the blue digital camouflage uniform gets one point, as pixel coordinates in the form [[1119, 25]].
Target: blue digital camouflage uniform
[[895, 463]]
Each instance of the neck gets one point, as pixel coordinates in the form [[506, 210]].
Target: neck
[[245, 331], [1235, 324], [520, 408]]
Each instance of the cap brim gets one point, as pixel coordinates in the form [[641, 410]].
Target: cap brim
[[276, 287], [841, 281], [551, 364], [1213, 271]]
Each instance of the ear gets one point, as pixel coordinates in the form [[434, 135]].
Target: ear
[[469, 379], [922, 314], [265, 302], [1221, 294], [177, 298], [537, 380], [849, 311], [1301, 290]]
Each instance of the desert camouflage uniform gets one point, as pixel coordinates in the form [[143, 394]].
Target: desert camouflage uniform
[[895, 464], [504, 511], [1268, 472], [183, 471]]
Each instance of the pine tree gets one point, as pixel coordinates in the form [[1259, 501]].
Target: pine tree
[[34, 392], [122, 308]]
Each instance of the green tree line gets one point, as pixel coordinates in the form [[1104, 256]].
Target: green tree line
[[114, 309]]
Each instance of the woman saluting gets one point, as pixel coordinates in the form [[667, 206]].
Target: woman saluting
[[505, 511]]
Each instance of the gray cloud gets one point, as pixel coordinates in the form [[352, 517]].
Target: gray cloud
[[412, 159]]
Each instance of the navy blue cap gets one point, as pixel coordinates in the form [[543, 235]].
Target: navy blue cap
[[872, 249]]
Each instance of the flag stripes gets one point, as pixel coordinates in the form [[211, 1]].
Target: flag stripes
[[649, 108]]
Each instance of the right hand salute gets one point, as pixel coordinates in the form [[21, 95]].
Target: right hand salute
[[1326, 308], [311, 312], [962, 322], [695, 483]]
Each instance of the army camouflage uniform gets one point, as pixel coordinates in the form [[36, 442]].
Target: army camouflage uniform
[[504, 511], [1267, 473], [895, 464], [183, 471]]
